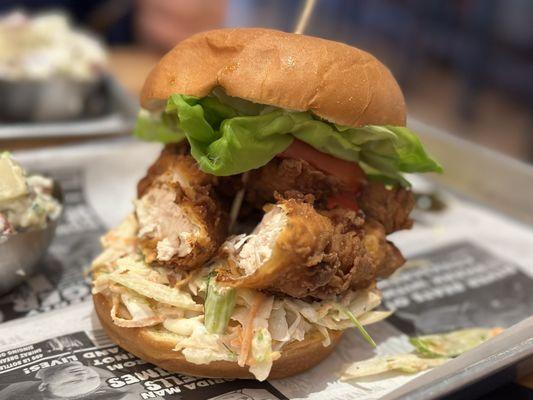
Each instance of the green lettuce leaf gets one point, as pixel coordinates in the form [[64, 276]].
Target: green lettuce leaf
[[229, 136], [152, 129], [239, 144]]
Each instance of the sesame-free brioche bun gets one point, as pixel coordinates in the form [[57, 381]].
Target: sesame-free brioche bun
[[335, 81], [156, 348]]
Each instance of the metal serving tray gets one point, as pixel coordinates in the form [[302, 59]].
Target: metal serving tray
[[505, 185], [499, 183], [118, 119], [481, 174]]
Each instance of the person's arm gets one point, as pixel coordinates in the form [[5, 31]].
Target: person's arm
[[161, 24]]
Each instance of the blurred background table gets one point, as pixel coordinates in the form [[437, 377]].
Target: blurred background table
[[464, 66], [130, 65]]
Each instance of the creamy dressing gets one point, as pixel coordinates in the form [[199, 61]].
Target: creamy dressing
[[26, 202]]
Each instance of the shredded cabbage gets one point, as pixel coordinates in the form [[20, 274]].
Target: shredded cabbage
[[454, 343], [117, 243], [277, 323], [372, 317], [262, 354], [407, 363], [431, 351], [127, 274], [298, 325], [197, 345], [139, 309], [137, 306], [169, 310], [183, 326]]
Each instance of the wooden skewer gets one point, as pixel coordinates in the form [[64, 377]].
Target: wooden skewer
[[237, 202], [301, 25], [304, 17]]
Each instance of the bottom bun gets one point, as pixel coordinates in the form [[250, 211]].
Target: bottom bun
[[295, 357]]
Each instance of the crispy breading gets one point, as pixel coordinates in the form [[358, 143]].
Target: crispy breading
[[181, 221], [291, 237], [361, 250], [287, 177], [301, 248], [390, 206]]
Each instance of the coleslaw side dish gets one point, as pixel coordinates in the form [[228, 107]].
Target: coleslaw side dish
[[26, 201], [42, 46]]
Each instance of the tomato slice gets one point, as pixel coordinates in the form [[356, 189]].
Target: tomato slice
[[349, 173], [343, 200]]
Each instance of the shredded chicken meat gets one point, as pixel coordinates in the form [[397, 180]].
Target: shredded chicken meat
[[181, 221]]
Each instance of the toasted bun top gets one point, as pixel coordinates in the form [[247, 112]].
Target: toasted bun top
[[335, 81]]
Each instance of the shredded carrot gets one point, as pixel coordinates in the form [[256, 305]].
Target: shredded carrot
[[496, 331], [237, 340], [248, 331], [184, 280]]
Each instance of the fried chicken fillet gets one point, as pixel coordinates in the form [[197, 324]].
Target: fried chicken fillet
[[181, 221], [324, 251], [297, 251]]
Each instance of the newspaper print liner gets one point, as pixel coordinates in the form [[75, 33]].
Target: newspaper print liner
[[83, 366]]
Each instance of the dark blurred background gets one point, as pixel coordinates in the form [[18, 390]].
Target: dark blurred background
[[465, 66]]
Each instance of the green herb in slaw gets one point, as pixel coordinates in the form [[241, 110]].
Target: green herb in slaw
[[357, 324], [219, 305]]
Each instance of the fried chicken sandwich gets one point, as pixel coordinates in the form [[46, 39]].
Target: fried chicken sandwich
[[260, 231]]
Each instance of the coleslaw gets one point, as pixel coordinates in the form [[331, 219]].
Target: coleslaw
[[26, 201], [254, 327]]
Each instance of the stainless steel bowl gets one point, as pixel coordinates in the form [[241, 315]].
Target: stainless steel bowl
[[54, 99], [21, 252]]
